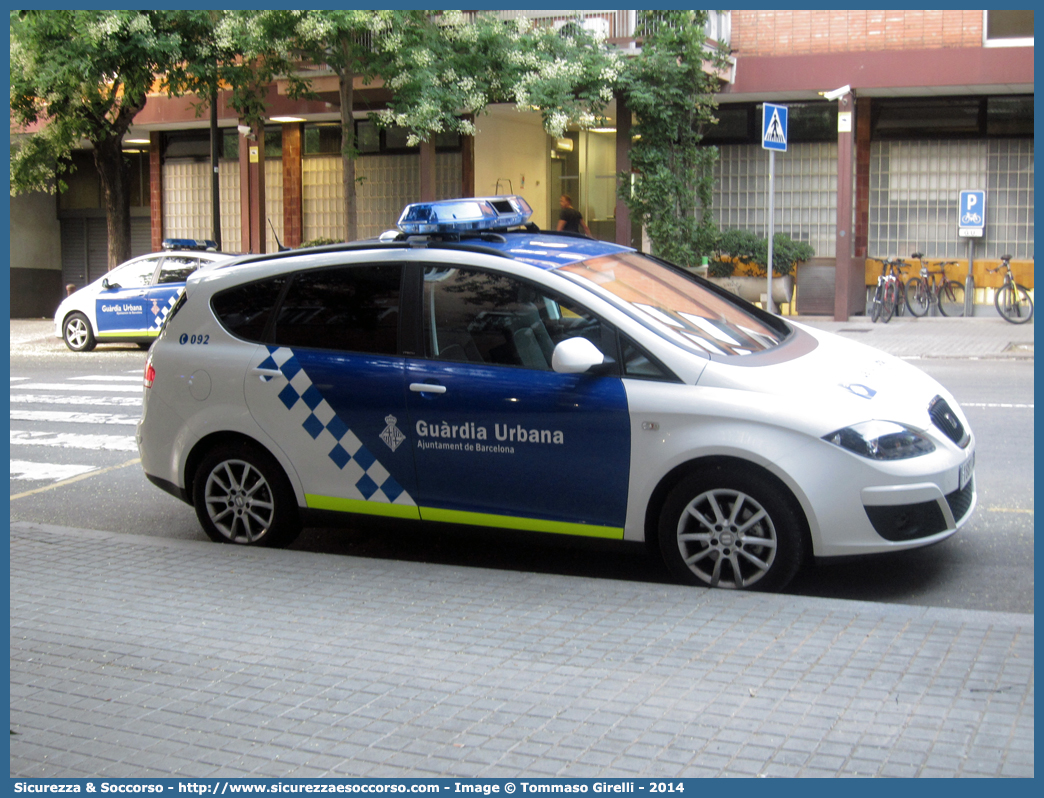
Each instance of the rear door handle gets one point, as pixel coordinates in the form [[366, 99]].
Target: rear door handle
[[427, 387], [267, 374]]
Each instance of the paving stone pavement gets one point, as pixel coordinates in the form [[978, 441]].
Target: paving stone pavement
[[147, 657]]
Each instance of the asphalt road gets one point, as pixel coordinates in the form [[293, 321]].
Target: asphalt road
[[987, 566]]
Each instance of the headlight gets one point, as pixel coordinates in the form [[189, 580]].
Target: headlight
[[881, 440]]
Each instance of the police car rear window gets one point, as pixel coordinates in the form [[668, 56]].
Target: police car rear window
[[245, 309], [675, 306]]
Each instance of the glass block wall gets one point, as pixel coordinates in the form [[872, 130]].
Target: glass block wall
[[915, 191], [388, 183], [805, 192]]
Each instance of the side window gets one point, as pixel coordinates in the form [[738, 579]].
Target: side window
[[245, 309], [349, 308], [481, 317], [639, 364], [136, 274], [177, 268]]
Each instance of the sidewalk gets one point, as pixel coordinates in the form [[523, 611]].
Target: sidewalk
[[147, 657]]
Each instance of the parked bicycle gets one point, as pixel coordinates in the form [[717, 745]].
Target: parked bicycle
[[1013, 302], [890, 294], [933, 286]]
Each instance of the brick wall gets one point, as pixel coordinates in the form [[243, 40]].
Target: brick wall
[[776, 33]]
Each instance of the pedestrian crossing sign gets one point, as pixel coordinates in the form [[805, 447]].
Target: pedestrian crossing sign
[[774, 127]]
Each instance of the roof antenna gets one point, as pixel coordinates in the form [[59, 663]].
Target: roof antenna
[[276, 235]]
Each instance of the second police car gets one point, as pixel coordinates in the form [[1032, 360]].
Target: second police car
[[471, 369], [130, 302]]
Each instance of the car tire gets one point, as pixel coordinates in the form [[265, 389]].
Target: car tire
[[242, 496], [77, 333], [723, 526]]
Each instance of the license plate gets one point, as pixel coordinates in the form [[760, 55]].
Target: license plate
[[967, 469]]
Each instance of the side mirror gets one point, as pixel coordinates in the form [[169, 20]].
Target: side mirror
[[578, 356], [109, 286]]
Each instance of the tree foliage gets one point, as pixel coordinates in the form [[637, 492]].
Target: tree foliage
[[671, 95]]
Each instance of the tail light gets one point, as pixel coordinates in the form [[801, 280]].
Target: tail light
[[150, 373]]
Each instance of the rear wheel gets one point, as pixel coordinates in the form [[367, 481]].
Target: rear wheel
[[241, 495], [900, 298], [726, 527], [951, 298], [77, 333], [917, 298], [1014, 304]]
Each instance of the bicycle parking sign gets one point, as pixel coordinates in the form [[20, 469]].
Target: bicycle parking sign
[[971, 222]]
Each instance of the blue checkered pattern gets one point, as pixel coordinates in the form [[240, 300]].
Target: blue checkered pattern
[[158, 319], [307, 407]]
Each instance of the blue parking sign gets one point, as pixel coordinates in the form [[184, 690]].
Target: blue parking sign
[[971, 222], [774, 127]]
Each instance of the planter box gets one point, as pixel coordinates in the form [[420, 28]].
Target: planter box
[[753, 288]]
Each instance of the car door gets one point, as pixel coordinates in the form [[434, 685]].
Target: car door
[[328, 389], [166, 288], [121, 306], [499, 438]]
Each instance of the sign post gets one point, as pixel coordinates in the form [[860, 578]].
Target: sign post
[[971, 224], [773, 139]]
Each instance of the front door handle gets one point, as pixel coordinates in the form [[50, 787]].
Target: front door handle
[[427, 387]]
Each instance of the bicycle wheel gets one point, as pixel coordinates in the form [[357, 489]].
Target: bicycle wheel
[[888, 305], [875, 303], [1014, 304], [900, 298], [917, 298], [951, 298]]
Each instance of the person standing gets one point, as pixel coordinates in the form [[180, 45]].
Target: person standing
[[570, 219]]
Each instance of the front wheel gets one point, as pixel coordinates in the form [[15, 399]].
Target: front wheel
[[951, 298], [77, 333], [888, 305], [876, 303], [727, 527], [900, 298], [241, 495], [1014, 304], [917, 298]]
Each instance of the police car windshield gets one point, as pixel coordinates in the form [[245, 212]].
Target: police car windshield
[[679, 309]]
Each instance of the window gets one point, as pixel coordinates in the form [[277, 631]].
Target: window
[[481, 317], [348, 308], [244, 310], [1008, 28], [136, 274], [177, 268]]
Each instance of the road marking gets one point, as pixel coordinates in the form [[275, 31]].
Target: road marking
[[106, 377], [18, 379], [52, 472], [71, 480], [1008, 510], [69, 417], [75, 399], [61, 386], [1004, 405], [66, 440]]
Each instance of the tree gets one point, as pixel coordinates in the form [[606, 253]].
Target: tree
[[442, 69], [85, 75], [671, 95]]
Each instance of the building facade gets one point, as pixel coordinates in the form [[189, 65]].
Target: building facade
[[939, 102]]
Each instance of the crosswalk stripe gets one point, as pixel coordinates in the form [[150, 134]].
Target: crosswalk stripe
[[61, 386], [107, 378], [69, 417], [75, 399], [65, 440], [51, 472]]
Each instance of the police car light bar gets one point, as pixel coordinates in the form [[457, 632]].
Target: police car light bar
[[464, 215], [189, 243]]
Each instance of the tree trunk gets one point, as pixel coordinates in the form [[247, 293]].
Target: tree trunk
[[348, 154], [115, 177]]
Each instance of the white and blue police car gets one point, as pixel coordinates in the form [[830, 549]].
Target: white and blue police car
[[472, 369], [130, 302]]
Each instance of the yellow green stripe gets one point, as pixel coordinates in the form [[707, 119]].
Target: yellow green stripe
[[359, 506], [516, 522], [129, 334]]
